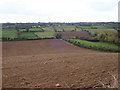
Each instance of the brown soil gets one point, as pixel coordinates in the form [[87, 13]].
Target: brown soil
[[55, 64], [82, 35]]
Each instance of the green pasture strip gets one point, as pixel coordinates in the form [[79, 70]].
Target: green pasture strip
[[35, 29], [28, 35], [48, 29], [95, 45], [31, 29], [98, 27], [9, 33], [66, 28], [84, 27], [58, 28], [45, 34], [96, 31], [21, 30], [104, 27]]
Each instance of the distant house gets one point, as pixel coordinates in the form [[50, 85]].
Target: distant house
[[33, 26], [39, 26]]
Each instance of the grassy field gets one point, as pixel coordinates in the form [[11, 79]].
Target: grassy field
[[97, 27], [32, 29], [96, 31], [48, 29], [9, 33], [21, 30], [45, 34], [67, 28], [84, 27], [28, 35], [104, 27], [36, 29], [94, 45]]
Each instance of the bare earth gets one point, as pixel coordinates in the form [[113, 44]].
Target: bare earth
[[45, 63]]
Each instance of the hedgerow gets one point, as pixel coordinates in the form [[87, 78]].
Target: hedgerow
[[95, 45]]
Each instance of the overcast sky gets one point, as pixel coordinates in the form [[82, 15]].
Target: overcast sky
[[58, 10]]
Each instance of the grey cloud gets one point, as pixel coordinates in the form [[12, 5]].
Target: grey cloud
[[56, 10]]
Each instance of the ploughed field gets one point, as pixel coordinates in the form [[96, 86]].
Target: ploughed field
[[55, 63], [82, 35]]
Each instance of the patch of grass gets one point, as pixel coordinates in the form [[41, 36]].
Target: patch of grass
[[98, 27], [104, 27], [31, 29], [48, 29], [45, 34], [95, 45], [70, 28], [35, 29], [9, 33], [67, 28], [21, 30], [28, 35], [58, 28], [84, 27], [96, 31]]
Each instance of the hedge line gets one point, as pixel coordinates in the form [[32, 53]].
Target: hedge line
[[23, 39], [94, 47]]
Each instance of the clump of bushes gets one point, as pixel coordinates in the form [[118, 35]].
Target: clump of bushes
[[58, 36], [109, 37]]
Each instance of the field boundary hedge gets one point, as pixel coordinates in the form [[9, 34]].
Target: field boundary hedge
[[79, 44], [23, 39]]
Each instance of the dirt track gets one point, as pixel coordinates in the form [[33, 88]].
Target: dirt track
[[44, 63]]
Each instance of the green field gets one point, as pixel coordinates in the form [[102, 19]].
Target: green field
[[28, 35], [36, 29], [97, 27], [95, 45], [48, 29], [84, 27], [96, 31], [32, 29], [21, 30], [67, 28], [9, 33], [45, 34]]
